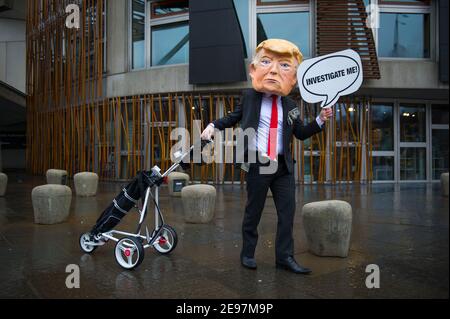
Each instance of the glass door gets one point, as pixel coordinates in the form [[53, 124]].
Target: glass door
[[382, 138], [439, 140], [413, 142]]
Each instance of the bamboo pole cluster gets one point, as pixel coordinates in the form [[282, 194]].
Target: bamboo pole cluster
[[64, 84]]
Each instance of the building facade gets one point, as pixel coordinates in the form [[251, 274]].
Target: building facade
[[106, 97]]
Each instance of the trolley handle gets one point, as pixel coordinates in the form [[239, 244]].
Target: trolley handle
[[181, 157]]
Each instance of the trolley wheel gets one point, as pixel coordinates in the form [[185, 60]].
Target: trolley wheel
[[166, 241], [84, 240], [129, 252]]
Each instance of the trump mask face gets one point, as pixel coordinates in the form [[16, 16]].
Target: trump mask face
[[274, 67]]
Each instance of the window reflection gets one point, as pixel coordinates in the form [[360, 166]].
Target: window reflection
[[383, 168], [280, 2], [382, 127], [292, 26], [440, 152], [311, 175], [170, 44], [412, 124], [347, 119], [412, 2], [138, 34], [404, 35], [412, 163], [242, 10], [168, 8], [440, 114]]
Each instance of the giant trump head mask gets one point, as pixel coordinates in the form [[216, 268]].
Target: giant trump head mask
[[274, 67]]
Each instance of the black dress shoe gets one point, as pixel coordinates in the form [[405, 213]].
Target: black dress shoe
[[248, 262], [291, 265]]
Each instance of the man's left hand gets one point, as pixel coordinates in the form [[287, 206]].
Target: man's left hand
[[326, 113]]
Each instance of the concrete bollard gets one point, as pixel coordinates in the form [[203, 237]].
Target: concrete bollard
[[51, 203], [3, 184], [328, 226], [198, 203], [444, 184], [86, 184], [177, 181], [57, 176]]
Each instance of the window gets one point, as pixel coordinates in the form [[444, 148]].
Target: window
[[169, 8], [404, 35], [412, 123], [413, 138], [159, 33], [159, 30], [170, 44], [412, 164], [169, 34], [439, 140], [138, 34], [440, 114], [382, 136], [405, 29], [383, 168], [277, 2], [242, 9], [288, 20], [405, 2], [382, 127]]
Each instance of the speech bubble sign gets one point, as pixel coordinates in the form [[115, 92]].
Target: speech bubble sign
[[328, 77]]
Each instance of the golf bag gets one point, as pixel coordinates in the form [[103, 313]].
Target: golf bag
[[135, 190], [126, 200]]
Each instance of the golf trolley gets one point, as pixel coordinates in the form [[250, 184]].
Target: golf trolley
[[129, 249]]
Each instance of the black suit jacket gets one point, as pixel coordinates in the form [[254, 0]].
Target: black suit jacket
[[248, 112]]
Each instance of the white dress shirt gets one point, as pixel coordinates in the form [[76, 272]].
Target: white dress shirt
[[262, 136], [261, 140]]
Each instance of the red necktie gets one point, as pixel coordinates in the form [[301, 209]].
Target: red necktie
[[272, 147]]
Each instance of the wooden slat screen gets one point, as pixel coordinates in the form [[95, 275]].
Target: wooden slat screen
[[64, 84], [342, 25]]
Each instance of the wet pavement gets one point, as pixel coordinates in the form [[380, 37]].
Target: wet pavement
[[401, 228]]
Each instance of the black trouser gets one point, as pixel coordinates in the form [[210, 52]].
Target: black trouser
[[282, 185]]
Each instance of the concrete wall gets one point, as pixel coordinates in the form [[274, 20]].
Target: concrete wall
[[160, 80], [397, 75], [408, 75], [13, 53], [117, 37]]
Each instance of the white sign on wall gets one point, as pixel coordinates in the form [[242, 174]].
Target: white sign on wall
[[328, 77]]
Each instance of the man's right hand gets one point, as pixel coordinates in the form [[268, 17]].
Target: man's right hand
[[208, 132]]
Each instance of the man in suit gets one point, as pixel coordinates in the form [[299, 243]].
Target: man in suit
[[275, 118]]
